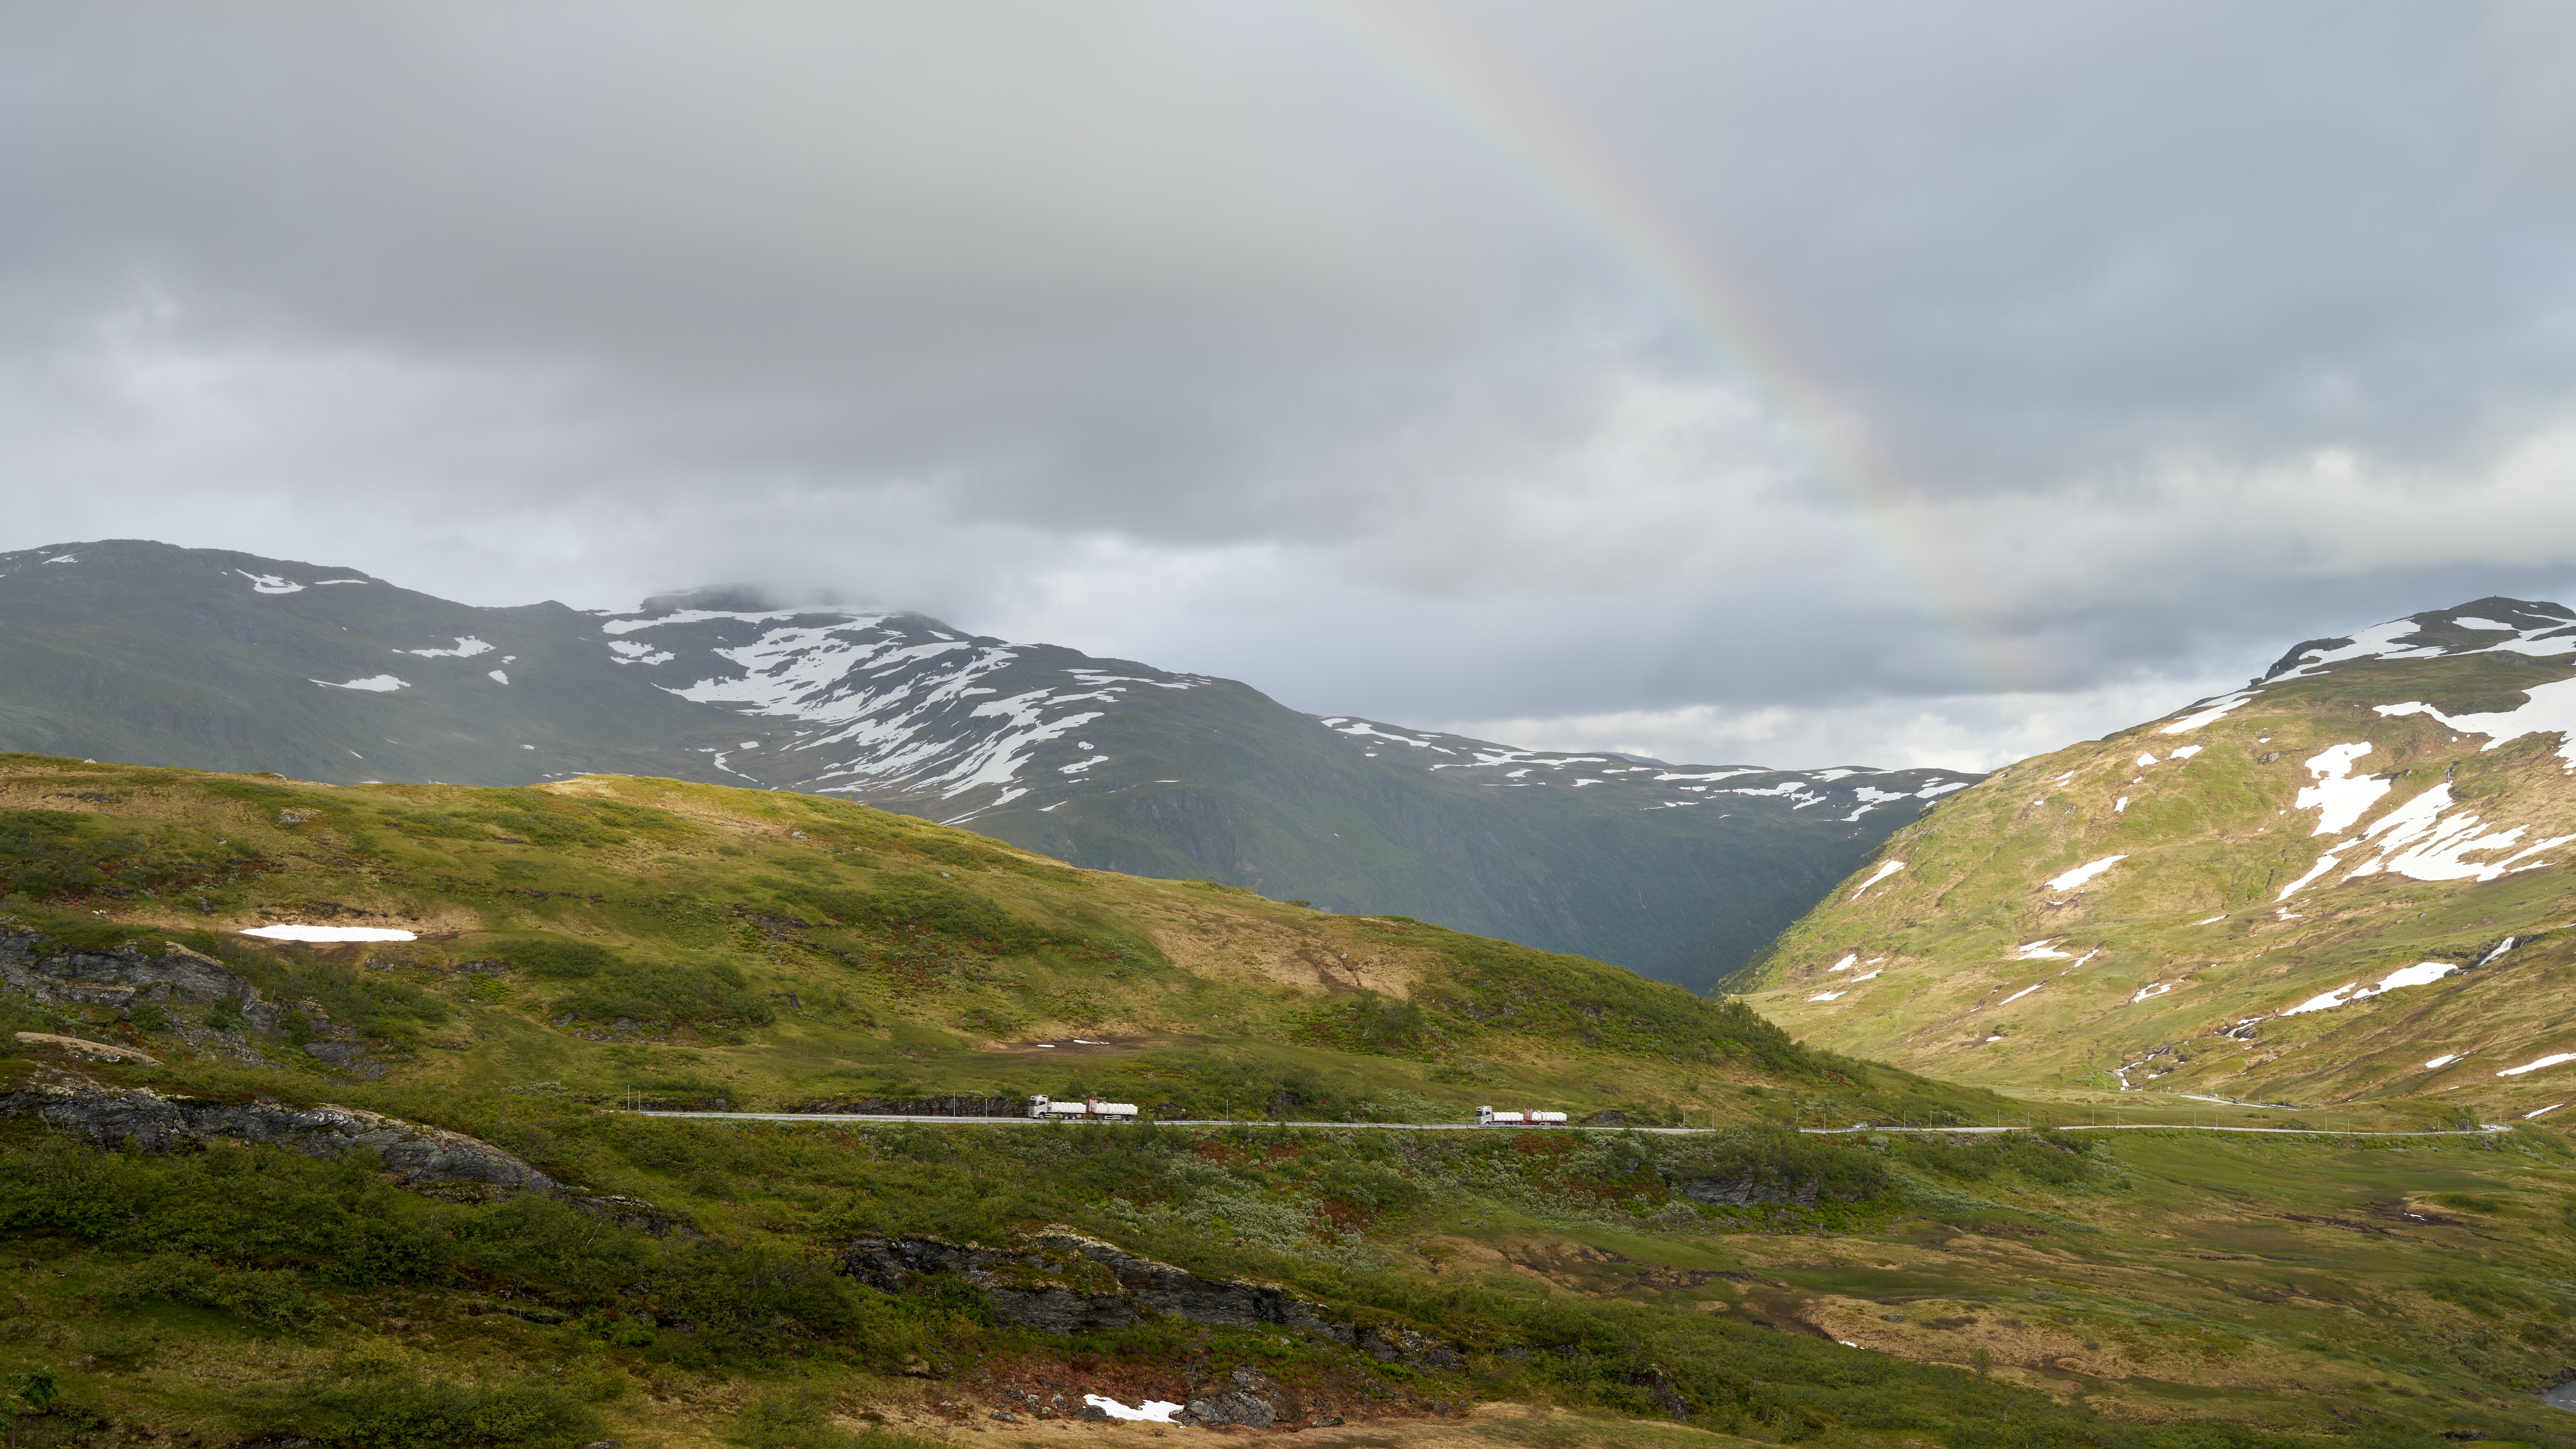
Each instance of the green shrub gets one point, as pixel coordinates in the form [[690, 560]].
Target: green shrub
[[555, 957], [405, 1411], [272, 1300]]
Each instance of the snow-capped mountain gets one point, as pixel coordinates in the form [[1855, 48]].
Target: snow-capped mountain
[[888, 706], [163, 655], [2349, 878]]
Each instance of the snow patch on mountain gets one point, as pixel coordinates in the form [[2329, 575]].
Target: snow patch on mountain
[[373, 684], [1885, 869], [2547, 1061], [2083, 873], [467, 646], [2208, 714], [2339, 799], [2421, 974], [2548, 709], [260, 583], [2422, 841]]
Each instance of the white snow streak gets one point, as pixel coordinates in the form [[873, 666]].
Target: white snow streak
[[467, 647], [2082, 873], [2217, 709], [1885, 869], [328, 933], [2547, 1061], [2421, 974]]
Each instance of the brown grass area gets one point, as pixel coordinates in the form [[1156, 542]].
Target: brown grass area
[[1253, 948]]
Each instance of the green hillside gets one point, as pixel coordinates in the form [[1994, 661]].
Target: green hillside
[[623, 935], [2348, 884], [202, 1260]]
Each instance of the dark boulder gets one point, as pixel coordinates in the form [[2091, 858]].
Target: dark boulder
[[1059, 1281], [1750, 1188]]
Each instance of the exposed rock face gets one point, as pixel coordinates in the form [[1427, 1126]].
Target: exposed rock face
[[1244, 1397], [121, 977], [1748, 1189], [1059, 1281], [169, 975], [416, 1154]]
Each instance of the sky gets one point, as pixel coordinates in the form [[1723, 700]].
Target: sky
[[1789, 383]]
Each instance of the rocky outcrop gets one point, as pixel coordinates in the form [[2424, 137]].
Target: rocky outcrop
[[119, 978], [209, 1006], [1060, 1281], [415, 1154], [1244, 1397], [83, 1049]]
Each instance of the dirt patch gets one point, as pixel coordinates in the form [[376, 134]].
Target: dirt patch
[[1204, 937]]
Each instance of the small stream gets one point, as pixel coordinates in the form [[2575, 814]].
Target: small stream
[[2562, 1397]]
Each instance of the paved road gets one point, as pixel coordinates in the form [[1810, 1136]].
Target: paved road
[[1660, 1131]]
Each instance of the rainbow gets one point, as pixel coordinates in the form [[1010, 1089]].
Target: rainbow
[[1588, 185]]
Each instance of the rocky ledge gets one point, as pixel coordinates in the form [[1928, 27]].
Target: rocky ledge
[[415, 1154], [201, 1002], [1058, 1281]]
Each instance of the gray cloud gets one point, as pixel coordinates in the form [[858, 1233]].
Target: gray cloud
[[1783, 378]]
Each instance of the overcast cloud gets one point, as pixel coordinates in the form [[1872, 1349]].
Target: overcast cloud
[[1791, 383]]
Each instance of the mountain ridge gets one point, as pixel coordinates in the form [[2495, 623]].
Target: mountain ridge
[[2346, 881], [213, 659]]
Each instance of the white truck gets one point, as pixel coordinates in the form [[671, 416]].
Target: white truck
[[1488, 1117], [1089, 1109]]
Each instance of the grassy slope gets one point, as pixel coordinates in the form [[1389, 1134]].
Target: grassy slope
[[218, 1295], [2218, 835]]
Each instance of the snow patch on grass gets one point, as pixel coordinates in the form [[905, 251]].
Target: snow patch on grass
[[1885, 869], [2082, 873], [2423, 973], [2339, 799], [328, 933], [2548, 1061]]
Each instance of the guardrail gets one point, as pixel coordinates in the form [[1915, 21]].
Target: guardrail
[[2483, 1129]]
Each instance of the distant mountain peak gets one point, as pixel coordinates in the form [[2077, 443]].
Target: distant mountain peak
[[2477, 627]]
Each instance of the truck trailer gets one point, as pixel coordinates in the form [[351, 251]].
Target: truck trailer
[[1089, 1109], [1488, 1117]]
